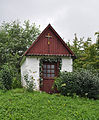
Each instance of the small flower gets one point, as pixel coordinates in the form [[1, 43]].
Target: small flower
[[86, 94], [64, 104], [63, 85]]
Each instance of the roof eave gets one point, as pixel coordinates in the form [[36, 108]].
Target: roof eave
[[67, 55]]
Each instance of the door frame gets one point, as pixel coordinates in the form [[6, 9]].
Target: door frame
[[49, 79], [57, 60]]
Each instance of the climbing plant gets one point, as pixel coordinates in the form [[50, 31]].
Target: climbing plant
[[51, 60]]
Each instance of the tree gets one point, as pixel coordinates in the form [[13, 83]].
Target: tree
[[87, 54], [14, 41], [97, 41]]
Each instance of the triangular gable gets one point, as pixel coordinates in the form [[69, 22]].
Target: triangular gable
[[54, 46]]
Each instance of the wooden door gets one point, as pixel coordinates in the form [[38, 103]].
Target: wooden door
[[49, 73]]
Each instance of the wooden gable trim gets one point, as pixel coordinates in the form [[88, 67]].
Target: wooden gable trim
[[49, 26]]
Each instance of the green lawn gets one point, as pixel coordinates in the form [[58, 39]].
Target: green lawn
[[21, 105]]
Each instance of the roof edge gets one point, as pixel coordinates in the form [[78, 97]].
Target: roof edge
[[37, 39], [49, 26]]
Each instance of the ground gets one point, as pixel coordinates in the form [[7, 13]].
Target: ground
[[19, 104]]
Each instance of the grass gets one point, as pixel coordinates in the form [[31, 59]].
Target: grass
[[19, 104]]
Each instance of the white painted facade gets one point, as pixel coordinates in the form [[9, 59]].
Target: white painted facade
[[31, 67], [67, 64]]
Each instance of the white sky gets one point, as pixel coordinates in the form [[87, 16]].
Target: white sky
[[66, 16]]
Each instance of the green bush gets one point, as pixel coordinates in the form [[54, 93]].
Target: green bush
[[16, 82], [6, 77], [82, 82], [30, 85], [9, 77], [1, 84]]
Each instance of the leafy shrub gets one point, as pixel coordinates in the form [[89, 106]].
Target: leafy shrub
[[9, 77], [30, 86], [82, 82], [16, 81], [6, 77], [1, 84]]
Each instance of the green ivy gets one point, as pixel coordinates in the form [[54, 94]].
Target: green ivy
[[51, 60], [23, 59]]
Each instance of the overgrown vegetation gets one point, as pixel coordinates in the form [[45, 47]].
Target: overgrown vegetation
[[84, 80], [16, 38], [81, 82], [14, 41], [30, 84], [19, 104], [87, 53], [6, 77]]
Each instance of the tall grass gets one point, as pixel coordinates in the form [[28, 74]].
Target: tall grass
[[19, 104]]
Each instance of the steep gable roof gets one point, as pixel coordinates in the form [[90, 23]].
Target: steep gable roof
[[54, 46]]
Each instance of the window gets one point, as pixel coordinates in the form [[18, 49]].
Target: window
[[49, 70]]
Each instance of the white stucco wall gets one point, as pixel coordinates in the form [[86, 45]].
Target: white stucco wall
[[67, 64], [31, 67], [23, 72]]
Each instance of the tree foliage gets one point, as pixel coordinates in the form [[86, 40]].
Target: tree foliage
[[6, 76], [97, 42], [87, 53], [14, 41]]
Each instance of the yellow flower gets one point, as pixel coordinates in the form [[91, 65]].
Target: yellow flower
[[63, 85], [64, 104]]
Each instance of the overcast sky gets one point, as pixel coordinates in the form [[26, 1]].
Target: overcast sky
[[66, 16]]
